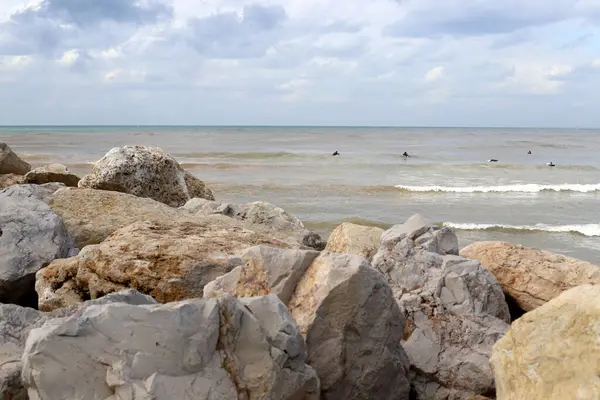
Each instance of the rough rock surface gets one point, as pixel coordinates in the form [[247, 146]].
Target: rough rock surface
[[10, 163], [52, 173], [265, 270], [455, 310], [40, 192], [530, 276], [15, 324], [196, 349], [145, 172], [31, 236], [552, 352], [261, 215], [353, 329], [169, 261], [355, 239], [7, 180]]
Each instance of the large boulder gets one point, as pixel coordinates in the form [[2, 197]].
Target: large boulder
[[145, 172], [31, 236], [261, 215], [529, 276], [265, 270], [195, 349], [52, 173], [355, 239], [353, 328], [15, 324], [7, 180], [552, 352], [455, 310], [42, 192], [170, 261], [10, 163]]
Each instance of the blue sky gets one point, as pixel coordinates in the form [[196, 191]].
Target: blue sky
[[301, 62]]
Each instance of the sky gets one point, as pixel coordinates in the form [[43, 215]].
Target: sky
[[529, 63]]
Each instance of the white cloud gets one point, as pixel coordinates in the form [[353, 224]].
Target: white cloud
[[434, 74], [69, 58]]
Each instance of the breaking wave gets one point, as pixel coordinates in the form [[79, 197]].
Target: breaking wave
[[519, 188], [584, 229]]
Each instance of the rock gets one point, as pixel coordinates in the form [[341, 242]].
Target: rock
[[353, 329], [265, 270], [552, 352], [10, 163], [455, 311], [260, 215], [15, 324], [145, 172], [194, 349], [530, 276], [170, 261], [52, 173], [42, 192], [355, 239], [7, 180], [31, 236]]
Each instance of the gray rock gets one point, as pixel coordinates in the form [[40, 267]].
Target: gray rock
[[265, 270], [195, 349], [15, 324], [353, 329], [31, 236], [145, 172], [52, 173], [10, 163], [426, 236], [40, 192], [455, 312], [260, 215]]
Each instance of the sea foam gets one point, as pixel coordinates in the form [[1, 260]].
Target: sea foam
[[584, 229], [518, 188]]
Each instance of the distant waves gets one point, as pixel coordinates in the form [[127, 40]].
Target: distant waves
[[515, 188], [584, 229]]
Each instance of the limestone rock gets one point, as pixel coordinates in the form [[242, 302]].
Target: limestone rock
[[145, 172], [15, 324], [455, 311], [260, 215], [52, 173], [353, 329], [40, 192], [10, 163], [31, 236], [530, 276], [552, 352], [7, 180], [170, 261], [265, 270], [194, 349], [355, 239]]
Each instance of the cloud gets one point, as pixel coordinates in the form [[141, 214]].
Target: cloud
[[410, 62]]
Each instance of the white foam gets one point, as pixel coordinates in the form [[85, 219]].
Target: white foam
[[520, 188], [584, 229]]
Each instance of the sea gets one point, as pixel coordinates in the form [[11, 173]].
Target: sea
[[447, 177]]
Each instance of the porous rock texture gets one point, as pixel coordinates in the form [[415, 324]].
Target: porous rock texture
[[455, 310], [52, 173], [145, 172]]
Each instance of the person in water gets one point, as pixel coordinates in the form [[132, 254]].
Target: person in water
[[529, 152], [336, 153], [405, 154], [551, 164], [493, 160]]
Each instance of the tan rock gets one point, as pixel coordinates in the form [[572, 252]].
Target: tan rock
[[265, 270], [7, 180], [552, 352], [531, 276], [52, 173], [353, 328], [10, 163], [355, 239], [170, 261], [145, 172]]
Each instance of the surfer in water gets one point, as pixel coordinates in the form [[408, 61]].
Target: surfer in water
[[551, 164], [493, 160], [529, 152], [405, 154], [336, 153]]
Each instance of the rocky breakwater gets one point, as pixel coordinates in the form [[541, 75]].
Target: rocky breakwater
[[12, 168], [454, 309], [531, 277]]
